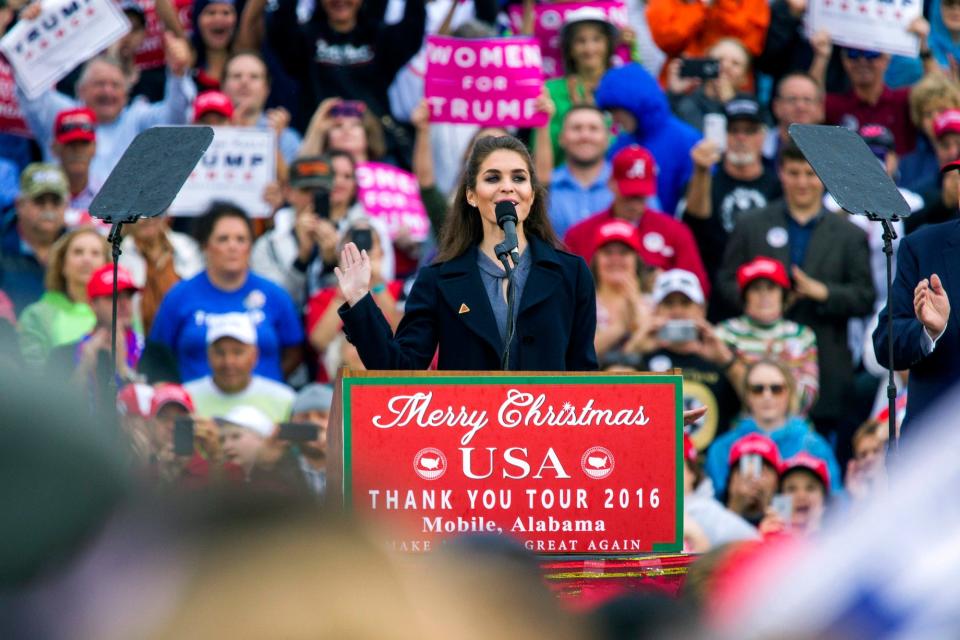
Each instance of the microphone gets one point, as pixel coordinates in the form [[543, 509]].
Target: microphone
[[506, 213]]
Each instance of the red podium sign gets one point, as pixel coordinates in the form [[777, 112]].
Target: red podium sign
[[575, 464]]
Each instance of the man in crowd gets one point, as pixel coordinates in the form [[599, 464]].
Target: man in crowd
[[232, 353], [104, 88], [706, 361], [578, 187], [798, 100], [719, 193], [74, 145], [870, 100], [924, 341], [666, 243], [829, 261], [27, 237]]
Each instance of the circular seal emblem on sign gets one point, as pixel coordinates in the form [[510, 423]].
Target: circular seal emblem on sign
[[430, 463], [597, 462], [777, 237]]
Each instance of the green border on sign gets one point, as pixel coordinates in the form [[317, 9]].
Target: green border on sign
[[348, 383]]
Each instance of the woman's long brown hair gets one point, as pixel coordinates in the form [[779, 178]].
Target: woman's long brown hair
[[463, 227]]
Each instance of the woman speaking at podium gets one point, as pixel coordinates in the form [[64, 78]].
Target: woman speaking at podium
[[459, 303]]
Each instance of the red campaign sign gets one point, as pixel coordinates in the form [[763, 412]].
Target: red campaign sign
[[567, 464], [150, 54], [11, 118]]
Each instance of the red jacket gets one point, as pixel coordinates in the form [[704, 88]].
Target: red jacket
[[667, 243]]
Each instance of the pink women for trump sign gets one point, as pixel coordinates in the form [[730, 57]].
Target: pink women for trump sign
[[489, 82]]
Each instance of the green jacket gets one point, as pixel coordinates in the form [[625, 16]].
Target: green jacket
[[51, 321]]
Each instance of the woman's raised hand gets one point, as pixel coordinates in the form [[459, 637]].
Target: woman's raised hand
[[353, 274]]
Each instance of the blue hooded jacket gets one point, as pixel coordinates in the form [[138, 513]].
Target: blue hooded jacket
[[793, 437], [664, 135]]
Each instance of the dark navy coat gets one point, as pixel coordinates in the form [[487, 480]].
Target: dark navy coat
[[932, 249], [448, 307]]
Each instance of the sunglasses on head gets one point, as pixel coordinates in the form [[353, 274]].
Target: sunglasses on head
[[348, 108], [758, 389], [854, 54]]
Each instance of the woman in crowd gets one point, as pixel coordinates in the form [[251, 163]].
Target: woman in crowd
[[617, 270], [768, 395], [692, 99], [323, 322], [214, 28], [227, 286], [805, 480], [460, 303], [762, 332], [919, 170], [587, 41], [345, 125], [62, 314]]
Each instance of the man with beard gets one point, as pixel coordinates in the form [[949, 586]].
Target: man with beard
[[578, 187], [718, 193]]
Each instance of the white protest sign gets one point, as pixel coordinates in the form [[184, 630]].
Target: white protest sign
[[876, 25], [67, 33], [238, 165]]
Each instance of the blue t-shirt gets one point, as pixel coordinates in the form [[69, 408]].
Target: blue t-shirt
[[181, 322]]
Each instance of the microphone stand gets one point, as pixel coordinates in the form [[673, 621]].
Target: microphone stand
[[889, 235], [505, 254]]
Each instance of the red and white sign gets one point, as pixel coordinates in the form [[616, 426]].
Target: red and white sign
[[11, 118], [549, 18], [237, 167], [567, 464], [150, 54], [490, 82], [393, 195], [878, 25], [67, 33]]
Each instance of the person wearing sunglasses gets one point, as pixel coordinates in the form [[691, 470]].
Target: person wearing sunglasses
[[769, 396], [869, 99]]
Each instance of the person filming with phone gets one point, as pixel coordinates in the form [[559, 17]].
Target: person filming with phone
[[300, 252], [680, 336]]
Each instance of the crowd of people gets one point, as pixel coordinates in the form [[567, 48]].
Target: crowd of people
[[720, 256]]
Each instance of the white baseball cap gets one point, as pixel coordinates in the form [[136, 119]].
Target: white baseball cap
[[250, 418], [238, 326], [677, 281]]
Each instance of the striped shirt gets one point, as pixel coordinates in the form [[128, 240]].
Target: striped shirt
[[792, 344]]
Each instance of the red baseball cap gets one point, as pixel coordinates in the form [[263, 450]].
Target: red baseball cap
[[945, 122], [761, 268], [73, 125], [212, 101], [164, 394], [616, 231], [804, 460], [101, 281], [134, 400], [759, 444], [635, 171]]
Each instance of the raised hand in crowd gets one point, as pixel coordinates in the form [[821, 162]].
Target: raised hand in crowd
[[822, 45], [278, 119], [543, 146], [797, 7], [178, 54], [932, 306], [31, 12], [676, 84], [320, 124]]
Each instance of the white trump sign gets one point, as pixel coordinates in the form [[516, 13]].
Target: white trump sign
[[877, 25], [237, 167]]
